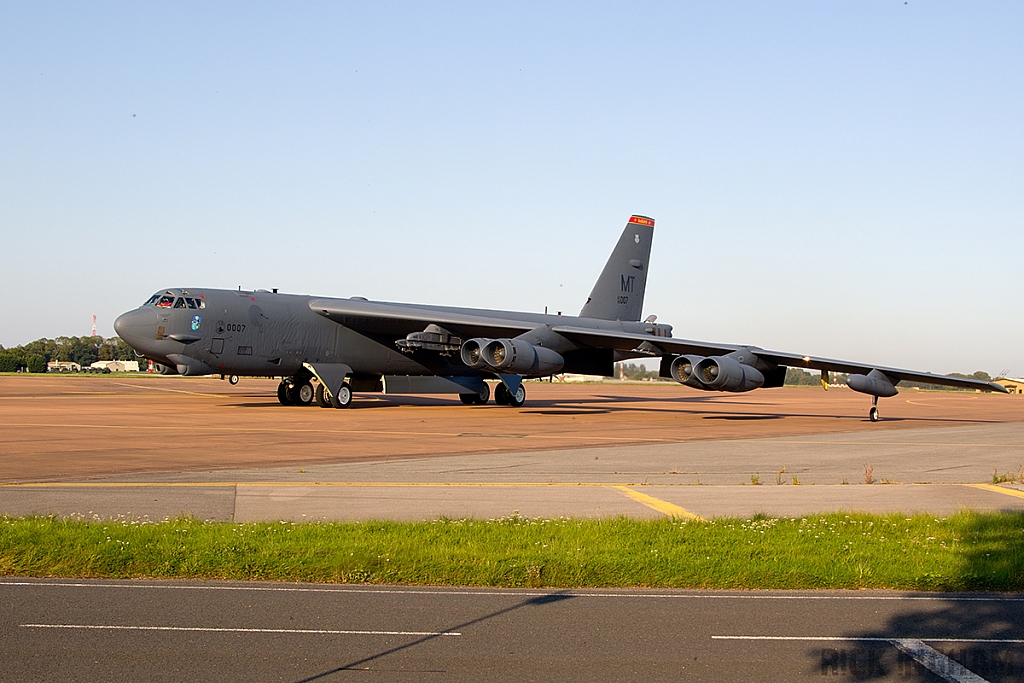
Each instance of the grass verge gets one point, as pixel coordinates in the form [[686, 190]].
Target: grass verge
[[965, 551]]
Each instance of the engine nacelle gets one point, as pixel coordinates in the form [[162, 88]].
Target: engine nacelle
[[875, 383], [681, 371], [518, 357], [472, 353], [727, 374]]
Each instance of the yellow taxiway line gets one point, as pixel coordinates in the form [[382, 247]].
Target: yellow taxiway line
[[998, 489], [661, 506]]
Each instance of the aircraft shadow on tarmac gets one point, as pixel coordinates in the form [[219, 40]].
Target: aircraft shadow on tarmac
[[362, 664], [992, 551], [617, 404]]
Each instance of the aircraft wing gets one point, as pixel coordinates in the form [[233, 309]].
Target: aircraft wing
[[814, 363], [376, 317], [628, 341]]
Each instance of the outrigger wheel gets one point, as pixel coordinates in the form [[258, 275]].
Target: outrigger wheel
[[873, 413]]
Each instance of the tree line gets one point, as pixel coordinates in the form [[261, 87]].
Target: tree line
[[34, 356]]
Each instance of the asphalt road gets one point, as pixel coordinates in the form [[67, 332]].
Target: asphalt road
[[173, 631]]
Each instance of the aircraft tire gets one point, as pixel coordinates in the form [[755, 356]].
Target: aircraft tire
[[322, 396], [344, 397], [233, 380], [501, 395], [282, 394], [303, 393], [517, 399], [873, 414], [476, 399]]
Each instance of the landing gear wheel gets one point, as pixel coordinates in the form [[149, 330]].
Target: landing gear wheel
[[517, 399], [344, 397], [323, 397], [873, 414], [303, 393], [501, 395], [284, 394], [233, 380], [476, 399]]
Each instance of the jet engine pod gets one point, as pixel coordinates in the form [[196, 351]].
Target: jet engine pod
[[875, 383], [472, 353], [681, 371], [518, 357], [727, 374]]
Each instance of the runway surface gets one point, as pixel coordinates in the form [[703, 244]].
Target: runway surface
[[156, 447], [155, 631]]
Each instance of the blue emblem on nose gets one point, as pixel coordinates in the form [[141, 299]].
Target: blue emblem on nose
[[197, 320]]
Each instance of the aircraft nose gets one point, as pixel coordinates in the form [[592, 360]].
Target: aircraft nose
[[135, 326]]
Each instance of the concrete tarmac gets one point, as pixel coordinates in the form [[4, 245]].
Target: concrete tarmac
[[641, 451], [947, 469], [59, 630]]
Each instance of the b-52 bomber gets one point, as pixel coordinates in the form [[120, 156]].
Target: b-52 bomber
[[327, 348]]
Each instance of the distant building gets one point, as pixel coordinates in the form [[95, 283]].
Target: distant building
[[572, 377], [63, 366], [116, 365], [1015, 386]]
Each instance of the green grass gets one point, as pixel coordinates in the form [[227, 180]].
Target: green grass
[[966, 551]]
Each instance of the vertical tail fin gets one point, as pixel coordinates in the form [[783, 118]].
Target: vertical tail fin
[[619, 293]]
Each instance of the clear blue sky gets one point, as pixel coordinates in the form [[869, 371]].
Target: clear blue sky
[[838, 178]]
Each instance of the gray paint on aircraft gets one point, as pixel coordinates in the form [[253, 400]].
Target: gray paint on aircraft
[[337, 341]]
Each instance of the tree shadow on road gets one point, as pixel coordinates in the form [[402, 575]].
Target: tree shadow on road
[[973, 630]]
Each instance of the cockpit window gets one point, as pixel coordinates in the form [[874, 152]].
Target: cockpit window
[[190, 302], [179, 303], [202, 304], [152, 300], [166, 301]]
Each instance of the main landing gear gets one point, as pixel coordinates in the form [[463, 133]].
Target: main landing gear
[[325, 399], [504, 397], [478, 399], [295, 392]]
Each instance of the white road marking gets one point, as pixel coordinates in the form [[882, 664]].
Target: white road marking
[[738, 595], [938, 663], [205, 629], [930, 658]]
